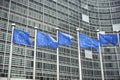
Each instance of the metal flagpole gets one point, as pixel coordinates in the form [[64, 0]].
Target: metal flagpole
[[117, 33], [79, 55], [100, 53], [34, 65], [11, 48], [57, 57], [118, 38], [118, 46]]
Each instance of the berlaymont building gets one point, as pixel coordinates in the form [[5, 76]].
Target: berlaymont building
[[67, 15]]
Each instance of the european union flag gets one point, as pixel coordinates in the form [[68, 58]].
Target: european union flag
[[83, 41], [108, 39], [21, 37], [95, 43], [41, 39], [52, 43], [86, 42], [64, 39], [46, 40]]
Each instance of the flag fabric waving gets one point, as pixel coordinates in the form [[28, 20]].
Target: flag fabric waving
[[83, 41], [64, 39], [108, 39], [21, 37], [95, 43], [41, 39], [86, 42], [52, 43], [46, 40]]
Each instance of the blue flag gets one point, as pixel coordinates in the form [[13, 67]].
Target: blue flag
[[119, 36], [86, 42], [46, 40], [95, 43], [52, 43], [41, 39], [64, 39], [21, 37], [108, 39]]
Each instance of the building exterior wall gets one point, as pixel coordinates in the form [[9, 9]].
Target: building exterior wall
[[47, 15], [14, 79]]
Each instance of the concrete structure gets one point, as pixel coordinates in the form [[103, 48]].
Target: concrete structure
[[66, 15]]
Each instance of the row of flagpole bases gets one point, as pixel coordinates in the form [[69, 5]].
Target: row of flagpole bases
[[42, 39]]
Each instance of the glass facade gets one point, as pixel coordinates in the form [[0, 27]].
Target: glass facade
[[47, 15]]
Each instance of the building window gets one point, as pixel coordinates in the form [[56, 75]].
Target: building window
[[1, 59], [29, 63], [2, 47], [6, 60], [116, 27], [83, 5], [85, 18]]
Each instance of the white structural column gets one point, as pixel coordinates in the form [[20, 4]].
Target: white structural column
[[57, 57], [34, 64], [11, 51], [79, 56], [101, 60]]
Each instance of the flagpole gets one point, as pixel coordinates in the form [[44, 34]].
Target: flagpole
[[34, 64], [117, 33], [118, 38], [57, 57], [79, 55], [100, 53], [118, 44], [11, 48]]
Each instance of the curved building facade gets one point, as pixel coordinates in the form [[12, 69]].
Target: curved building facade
[[67, 15]]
